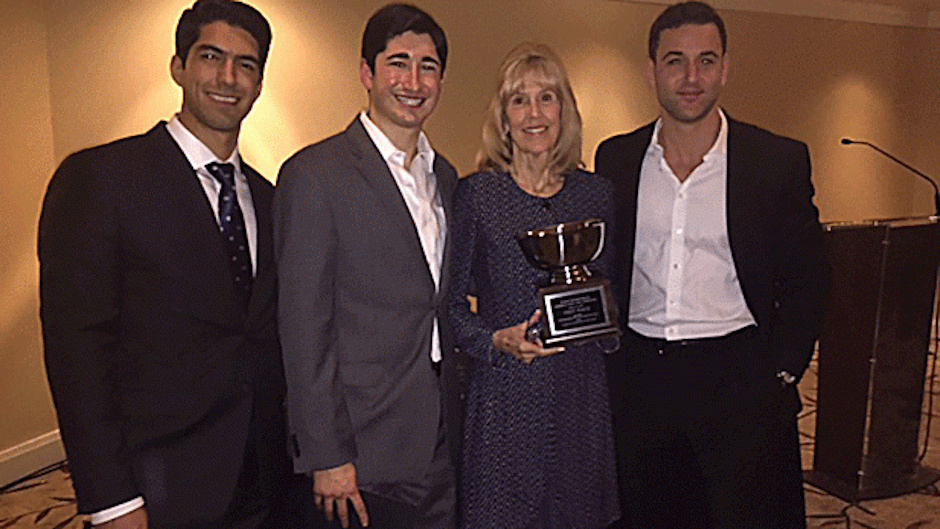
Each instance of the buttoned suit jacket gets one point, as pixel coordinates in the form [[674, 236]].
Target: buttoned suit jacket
[[155, 364], [357, 309], [773, 230]]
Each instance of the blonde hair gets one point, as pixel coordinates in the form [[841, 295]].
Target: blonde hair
[[496, 153]]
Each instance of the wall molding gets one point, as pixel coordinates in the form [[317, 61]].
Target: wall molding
[[28, 457], [829, 9]]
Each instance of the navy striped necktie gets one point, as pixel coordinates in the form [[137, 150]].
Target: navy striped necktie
[[232, 226]]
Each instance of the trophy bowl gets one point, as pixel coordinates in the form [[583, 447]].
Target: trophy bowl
[[575, 306], [564, 248]]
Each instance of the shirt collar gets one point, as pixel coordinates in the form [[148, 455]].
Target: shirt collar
[[195, 150], [719, 148], [392, 154]]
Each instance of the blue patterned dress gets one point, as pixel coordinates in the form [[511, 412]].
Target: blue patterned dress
[[538, 447]]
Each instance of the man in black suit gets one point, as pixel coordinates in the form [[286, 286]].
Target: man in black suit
[[721, 286], [361, 244], [159, 301]]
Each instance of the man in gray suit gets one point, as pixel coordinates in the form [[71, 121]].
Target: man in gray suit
[[361, 244]]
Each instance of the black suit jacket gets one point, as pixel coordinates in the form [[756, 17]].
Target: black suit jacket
[[357, 307], [155, 364], [773, 228]]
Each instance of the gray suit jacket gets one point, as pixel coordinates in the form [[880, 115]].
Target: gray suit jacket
[[357, 311]]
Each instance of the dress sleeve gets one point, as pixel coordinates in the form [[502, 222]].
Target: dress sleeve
[[473, 336]]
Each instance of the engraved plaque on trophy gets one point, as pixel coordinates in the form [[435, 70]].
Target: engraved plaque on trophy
[[576, 305]]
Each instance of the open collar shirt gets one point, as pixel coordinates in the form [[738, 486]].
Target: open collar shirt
[[685, 284], [418, 187]]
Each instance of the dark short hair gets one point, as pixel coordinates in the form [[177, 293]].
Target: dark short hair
[[394, 20], [233, 13], [698, 13]]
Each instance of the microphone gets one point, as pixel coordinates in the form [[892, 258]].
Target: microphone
[[936, 192]]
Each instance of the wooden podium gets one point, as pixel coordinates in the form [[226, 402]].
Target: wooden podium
[[873, 356]]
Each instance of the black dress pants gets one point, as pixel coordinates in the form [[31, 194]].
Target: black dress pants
[[706, 435]]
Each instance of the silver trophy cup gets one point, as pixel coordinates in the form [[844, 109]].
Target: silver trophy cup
[[576, 305]]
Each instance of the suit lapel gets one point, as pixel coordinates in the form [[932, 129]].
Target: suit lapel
[[629, 192], [372, 168], [446, 184], [187, 199], [263, 288], [743, 210], [737, 169]]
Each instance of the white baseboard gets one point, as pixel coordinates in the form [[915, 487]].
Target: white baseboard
[[28, 457]]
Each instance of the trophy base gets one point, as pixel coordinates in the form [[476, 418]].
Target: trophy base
[[578, 312]]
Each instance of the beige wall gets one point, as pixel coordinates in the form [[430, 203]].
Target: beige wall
[[822, 80], [814, 79], [25, 164], [90, 71]]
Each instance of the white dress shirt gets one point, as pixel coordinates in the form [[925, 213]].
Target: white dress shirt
[[418, 186], [199, 156], [685, 284]]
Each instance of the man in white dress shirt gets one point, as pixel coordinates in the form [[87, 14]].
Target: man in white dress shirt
[[721, 283], [361, 245]]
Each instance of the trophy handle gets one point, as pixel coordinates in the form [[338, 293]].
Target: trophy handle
[[600, 247]]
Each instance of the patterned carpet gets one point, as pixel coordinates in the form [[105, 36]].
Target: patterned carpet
[[47, 500], [44, 500]]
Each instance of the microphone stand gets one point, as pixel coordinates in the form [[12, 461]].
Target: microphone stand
[[936, 192]]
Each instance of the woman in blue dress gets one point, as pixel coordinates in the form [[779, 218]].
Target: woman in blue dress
[[538, 449]]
